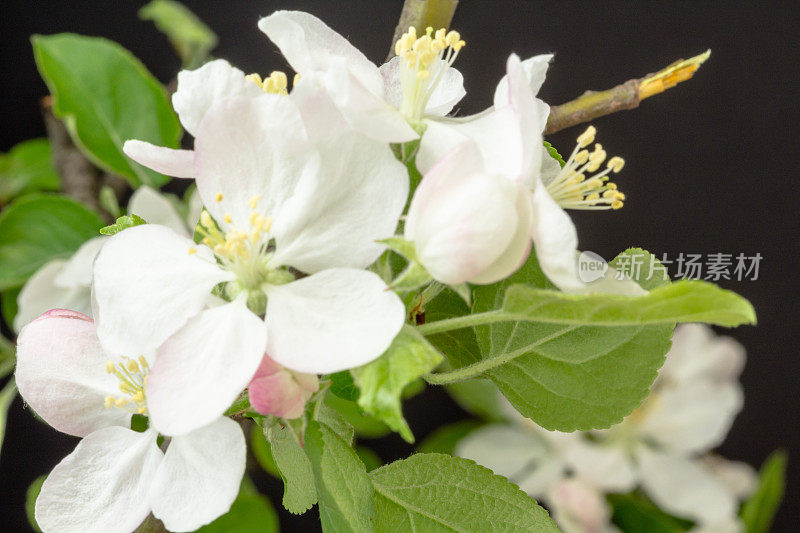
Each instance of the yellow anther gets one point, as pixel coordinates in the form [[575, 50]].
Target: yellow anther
[[108, 402], [192, 250], [119, 402], [206, 220], [266, 224], [132, 366], [228, 219], [612, 185], [620, 196], [587, 137], [593, 196], [615, 164], [610, 194], [143, 363], [110, 367], [218, 197], [295, 80], [256, 79], [253, 201], [616, 204], [142, 410], [582, 157]]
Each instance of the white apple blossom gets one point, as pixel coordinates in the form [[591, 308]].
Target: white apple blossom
[[282, 205], [66, 283], [390, 103], [661, 447], [509, 137], [116, 476]]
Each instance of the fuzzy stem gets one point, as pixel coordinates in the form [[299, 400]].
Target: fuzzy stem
[[628, 95]]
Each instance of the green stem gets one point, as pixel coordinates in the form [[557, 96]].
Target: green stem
[[484, 365], [466, 321]]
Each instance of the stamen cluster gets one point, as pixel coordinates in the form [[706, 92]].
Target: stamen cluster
[[574, 188], [132, 374]]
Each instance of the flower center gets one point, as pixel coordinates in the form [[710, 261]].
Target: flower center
[[276, 83], [425, 59], [245, 252], [575, 188], [132, 375]]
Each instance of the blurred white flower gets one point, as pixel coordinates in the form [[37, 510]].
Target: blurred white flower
[[116, 476], [66, 283], [661, 447]]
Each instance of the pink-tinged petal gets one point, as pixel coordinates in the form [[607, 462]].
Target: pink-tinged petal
[[350, 194], [199, 478], [203, 367], [199, 89], [167, 161], [462, 220], [147, 284], [155, 208], [103, 485], [249, 147], [579, 506], [333, 320], [275, 390], [535, 69], [61, 374]]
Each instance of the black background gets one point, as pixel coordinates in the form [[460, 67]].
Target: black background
[[711, 165]]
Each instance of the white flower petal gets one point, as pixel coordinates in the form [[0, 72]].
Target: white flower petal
[[462, 220], [699, 353], [61, 374], [40, 293], [167, 161], [195, 205], [693, 417], [199, 478], [202, 368], [247, 148], [680, 487], [505, 450], [317, 52], [199, 89], [550, 167], [448, 92], [535, 69], [556, 241], [333, 320], [77, 271], [740, 478], [155, 208], [348, 198], [606, 467], [103, 485], [146, 285]]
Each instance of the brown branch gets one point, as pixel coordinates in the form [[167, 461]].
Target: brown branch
[[421, 14], [594, 104]]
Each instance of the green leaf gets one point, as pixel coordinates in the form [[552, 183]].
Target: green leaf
[[382, 381], [262, 451], [370, 459], [365, 425], [123, 222], [343, 386], [683, 301], [7, 396], [335, 421], [8, 356], [105, 96], [759, 510], [435, 492], [445, 438], [8, 305], [251, 511], [190, 37], [28, 167], [30, 501], [345, 492], [554, 153], [295, 468], [582, 362], [37, 228], [634, 512]]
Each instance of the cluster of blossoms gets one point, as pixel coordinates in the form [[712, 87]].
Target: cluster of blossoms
[[298, 190], [663, 446]]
